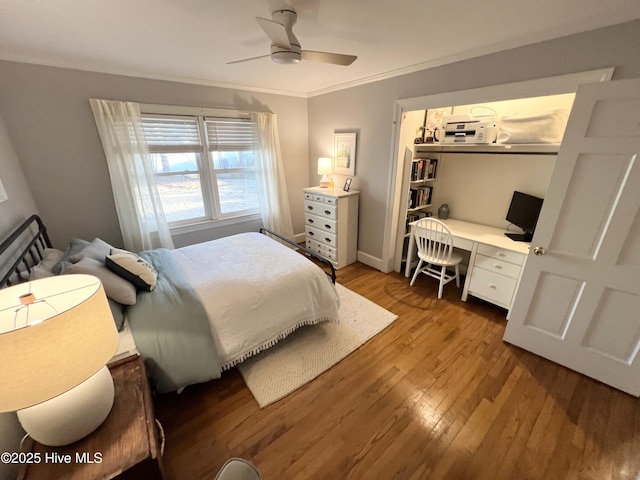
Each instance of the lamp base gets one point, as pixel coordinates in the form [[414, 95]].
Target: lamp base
[[325, 182], [72, 415]]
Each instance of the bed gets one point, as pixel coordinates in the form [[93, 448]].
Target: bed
[[212, 305]]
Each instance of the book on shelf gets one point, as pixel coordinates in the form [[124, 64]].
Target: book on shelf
[[412, 217], [431, 173], [423, 169], [420, 196]]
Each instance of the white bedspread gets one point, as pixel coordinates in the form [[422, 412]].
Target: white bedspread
[[255, 291]]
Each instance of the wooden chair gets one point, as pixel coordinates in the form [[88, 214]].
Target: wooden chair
[[435, 249]]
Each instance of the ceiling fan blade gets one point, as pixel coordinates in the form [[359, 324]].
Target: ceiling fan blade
[[334, 58], [276, 32], [248, 59]]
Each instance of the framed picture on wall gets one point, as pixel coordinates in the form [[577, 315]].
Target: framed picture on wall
[[344, 154]]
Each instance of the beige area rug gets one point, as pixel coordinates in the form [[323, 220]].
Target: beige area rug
[[311, 350]]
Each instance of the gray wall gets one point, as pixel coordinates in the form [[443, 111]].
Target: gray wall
[[20, 204], [369, 109], [50, 123], [13, 212]]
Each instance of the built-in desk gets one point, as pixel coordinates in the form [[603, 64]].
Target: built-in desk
[[495, 264]]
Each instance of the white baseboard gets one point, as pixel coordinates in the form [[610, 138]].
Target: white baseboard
[[370, 260]]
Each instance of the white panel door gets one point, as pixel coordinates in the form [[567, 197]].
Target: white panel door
[[578, 303]]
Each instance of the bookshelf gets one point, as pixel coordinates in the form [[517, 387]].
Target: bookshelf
[[419, 184]]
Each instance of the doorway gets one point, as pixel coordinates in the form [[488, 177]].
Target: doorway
[[534, 88]]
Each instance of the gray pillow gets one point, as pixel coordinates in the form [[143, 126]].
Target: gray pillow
[[75, 245], [117, 311], [97, 249], [116, 288], [50, 258]]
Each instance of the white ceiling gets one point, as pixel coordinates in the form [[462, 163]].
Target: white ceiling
[[191, 40]]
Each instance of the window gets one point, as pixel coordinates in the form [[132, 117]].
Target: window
[[204, 166]]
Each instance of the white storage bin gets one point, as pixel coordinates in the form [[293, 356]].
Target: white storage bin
[[545, 128]]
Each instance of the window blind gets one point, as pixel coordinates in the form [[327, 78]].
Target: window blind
[[165, 133], [229, 134]]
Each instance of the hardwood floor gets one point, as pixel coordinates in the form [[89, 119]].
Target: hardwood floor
[[436, 395]]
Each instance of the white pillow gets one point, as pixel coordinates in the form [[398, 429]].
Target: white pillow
[[132, 267]]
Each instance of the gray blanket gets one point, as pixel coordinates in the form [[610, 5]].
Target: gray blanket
[[171, 329]]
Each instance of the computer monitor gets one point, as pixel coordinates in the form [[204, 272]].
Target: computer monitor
[[524, 212]]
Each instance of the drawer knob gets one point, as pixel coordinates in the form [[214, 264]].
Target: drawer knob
[[309, 207], [539, 251], [327, 239], [491, 285], [311, 220], [327, 212], [311, 233], [327, 226], [497, 267]]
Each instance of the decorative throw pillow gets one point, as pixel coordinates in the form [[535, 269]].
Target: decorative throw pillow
[[97, 249], [116, 288], [133, 268]]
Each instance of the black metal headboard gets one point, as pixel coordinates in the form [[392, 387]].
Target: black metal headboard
[[29, 241]]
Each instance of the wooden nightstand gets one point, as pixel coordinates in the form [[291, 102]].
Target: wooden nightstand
[[125, 446]]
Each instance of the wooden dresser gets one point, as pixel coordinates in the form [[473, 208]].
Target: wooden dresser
[[125, 446], [331, 224]]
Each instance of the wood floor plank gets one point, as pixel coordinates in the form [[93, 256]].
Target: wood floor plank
[[436, 395]]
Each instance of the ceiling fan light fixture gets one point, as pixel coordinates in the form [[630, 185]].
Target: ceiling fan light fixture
[[285, 47], [286, 57]]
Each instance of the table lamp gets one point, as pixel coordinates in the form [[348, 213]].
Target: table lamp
[[325, 168], [56, 336]]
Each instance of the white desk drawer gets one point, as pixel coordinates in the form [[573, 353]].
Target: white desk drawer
[[493, 286], [498, 266], [501, 253], [463, 243], [321, 223], [320, 236], [323, 210]]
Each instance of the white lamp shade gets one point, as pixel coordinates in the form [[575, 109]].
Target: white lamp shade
[[325, 166], [71, 335]]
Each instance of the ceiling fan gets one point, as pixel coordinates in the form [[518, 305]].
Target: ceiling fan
[[285, 47]]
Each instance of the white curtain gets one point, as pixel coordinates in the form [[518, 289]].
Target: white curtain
[[272, 188], [142, 220]]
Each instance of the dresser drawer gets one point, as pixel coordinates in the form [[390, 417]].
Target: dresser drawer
[[324, 250], [498, 266], [325, 224], [501, 254], [320, 236], [320, 209], [320, 198], [492, 286]]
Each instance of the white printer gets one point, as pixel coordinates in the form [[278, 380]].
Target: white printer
[[469, 129]]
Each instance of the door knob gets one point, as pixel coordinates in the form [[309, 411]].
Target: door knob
[[539, 251]]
